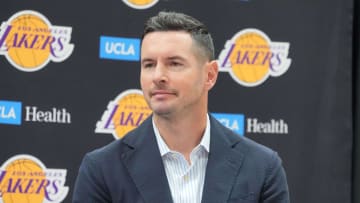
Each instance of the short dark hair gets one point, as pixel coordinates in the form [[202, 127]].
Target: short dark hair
[[173, 21]]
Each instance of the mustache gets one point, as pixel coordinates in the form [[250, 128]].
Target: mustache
[[159, 90]]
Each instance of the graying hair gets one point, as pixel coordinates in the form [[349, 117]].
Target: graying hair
[[173, 21]]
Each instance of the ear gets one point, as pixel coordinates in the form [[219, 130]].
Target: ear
[[212, 70]]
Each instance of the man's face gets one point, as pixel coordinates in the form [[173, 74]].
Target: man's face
[[174, 77]]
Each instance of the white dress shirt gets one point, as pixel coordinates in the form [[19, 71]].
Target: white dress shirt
[[186, 180]]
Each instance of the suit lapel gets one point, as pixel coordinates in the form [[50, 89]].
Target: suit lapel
[[223, 165], [145, 165]]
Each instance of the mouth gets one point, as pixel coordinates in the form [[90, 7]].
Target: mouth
[[162, 93]]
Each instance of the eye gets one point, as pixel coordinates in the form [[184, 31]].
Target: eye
[[148, 65], [175, 63]]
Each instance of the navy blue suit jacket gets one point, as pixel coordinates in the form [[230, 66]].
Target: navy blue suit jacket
[[131, 170]]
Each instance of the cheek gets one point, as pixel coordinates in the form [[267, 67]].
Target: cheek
[[143, 81], [193, 85], [200, 81]]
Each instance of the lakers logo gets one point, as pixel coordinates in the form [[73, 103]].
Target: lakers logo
[[25, 179], [250, 57], [29, 42], [124, 114], [140, 4]]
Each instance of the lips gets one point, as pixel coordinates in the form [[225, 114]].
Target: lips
[[161, 93]]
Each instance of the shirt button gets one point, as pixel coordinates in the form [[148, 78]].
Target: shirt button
[[186, 177]]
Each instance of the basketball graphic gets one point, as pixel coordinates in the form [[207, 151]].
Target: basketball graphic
[[24, 55], [249, 71], [132, 110], [140, 4], [124, 114], [23, 169], [29, 41], [25, 179], [250, 57]]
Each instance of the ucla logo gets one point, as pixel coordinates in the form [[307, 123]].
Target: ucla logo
[[24, 178], [234, 122], [119, 48], [10, 112], [29, 41], [250, 57], [123, 114], [140, 4]]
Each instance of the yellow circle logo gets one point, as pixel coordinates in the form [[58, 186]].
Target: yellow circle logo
[[29, 41], [22, 54], [23, 178], [18, 170], [140, 4], [124, 114], [244, 69], [250, 57]]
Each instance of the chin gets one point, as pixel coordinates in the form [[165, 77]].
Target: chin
[[161, 112]]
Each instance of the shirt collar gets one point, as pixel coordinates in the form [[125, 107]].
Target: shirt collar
[[163, 147]]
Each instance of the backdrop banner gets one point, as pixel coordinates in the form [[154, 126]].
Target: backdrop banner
[[69, 83]]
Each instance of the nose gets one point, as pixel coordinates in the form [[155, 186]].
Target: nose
[[160, 75]]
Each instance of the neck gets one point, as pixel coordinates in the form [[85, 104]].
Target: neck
[[182, 133]]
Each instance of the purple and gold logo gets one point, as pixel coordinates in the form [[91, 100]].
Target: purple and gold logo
[[124, 114], [25, 179], [140, 4], [250, 57], [29, 41]]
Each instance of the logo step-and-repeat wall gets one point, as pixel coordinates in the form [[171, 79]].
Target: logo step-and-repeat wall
[[69, 83]]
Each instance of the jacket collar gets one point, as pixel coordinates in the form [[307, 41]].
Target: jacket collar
[[145, 165], [146, 168], [223, 164]]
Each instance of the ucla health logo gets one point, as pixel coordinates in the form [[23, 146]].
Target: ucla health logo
[[234, 122], [251, 57], [124, 114], [120, 48], [10, 112], [29, 41], [140, 4], [248, 126], [24, 178]]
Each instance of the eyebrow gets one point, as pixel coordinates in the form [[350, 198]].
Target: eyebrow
[[167, 58], [176, 58], [146, 60]]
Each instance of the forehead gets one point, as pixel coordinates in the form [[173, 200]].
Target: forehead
[[172, 34], [166, 42]]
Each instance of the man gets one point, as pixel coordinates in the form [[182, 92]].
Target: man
[[180, 154]]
